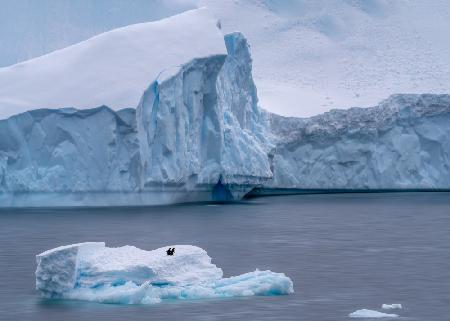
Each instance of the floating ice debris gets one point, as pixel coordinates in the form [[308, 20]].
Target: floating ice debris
[[128, 275], [391, 306], [365, 313]]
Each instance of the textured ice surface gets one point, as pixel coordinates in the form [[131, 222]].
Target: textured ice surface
[[310, 55], [391, 306], [203, 124], [401, 143], [365, 313], [93, 272]]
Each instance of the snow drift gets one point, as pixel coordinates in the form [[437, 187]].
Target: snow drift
[[128, 275]]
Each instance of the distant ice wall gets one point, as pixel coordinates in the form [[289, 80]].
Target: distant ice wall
[[400, 144]]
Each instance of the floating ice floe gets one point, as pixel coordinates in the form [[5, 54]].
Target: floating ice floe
[[365, 313], [128, 275], [391, 306]]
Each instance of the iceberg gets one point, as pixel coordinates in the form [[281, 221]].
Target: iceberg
[[391, 306], [365, 313], [399, 144], [201, 124], [93, 272], [195, 131], [197, 134]]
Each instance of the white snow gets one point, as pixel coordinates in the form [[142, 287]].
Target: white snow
[[391, 306], [111, 69], [311, 56], [94, 272], [365, 313]]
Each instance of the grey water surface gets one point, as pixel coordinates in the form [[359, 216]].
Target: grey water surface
[[343, 252]]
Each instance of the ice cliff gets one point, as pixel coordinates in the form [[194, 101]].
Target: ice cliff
[[128, 275], [197, 132], [202, 125], [400, 144]]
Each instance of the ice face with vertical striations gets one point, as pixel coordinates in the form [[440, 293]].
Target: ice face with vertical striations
[[200, 124], [400, 144], [111, 69]]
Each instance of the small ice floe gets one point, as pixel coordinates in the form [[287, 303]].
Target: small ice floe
[[391, 306], [365, 313], [128, 275]]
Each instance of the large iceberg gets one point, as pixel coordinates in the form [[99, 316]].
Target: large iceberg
[[93, 272], [400, 144], [201, 124], [195, 132]]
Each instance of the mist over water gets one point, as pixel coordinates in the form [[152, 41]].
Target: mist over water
[[344, 252]]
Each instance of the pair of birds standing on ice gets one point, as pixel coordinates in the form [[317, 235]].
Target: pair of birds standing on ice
[[170, 251]]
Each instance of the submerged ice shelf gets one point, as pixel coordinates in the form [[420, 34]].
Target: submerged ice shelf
[[128, 275]]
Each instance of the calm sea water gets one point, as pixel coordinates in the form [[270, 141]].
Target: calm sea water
[[343, 252]]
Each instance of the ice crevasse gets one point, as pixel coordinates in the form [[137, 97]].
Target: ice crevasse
[[128, 275]]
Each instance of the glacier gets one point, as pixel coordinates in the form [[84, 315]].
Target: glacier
[[399, 144], [196, 132], [91, 271]]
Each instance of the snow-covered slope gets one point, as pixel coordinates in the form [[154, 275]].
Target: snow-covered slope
[[311, 56], [197, 134], [128, 275], [403, 143], [111, 69]]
